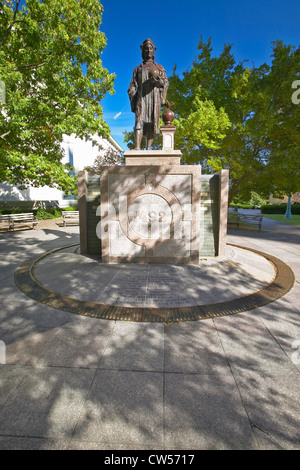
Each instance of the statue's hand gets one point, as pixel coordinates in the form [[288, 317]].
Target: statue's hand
[[154, 74]]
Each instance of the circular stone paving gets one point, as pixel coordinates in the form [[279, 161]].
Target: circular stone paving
[[79, 284]]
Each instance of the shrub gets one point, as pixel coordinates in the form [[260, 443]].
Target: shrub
[[242, 206], [13, 211], [279, 208], [43, 214]]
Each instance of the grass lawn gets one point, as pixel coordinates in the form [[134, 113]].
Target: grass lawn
[[280, 218]]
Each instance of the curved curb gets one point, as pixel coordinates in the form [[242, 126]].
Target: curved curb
[[278, 287]]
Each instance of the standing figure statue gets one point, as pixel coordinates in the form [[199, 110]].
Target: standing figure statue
[[147, 93]]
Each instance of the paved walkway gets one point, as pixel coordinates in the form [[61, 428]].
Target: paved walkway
[[73, 382]]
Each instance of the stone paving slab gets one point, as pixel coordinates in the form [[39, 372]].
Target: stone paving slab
[[206, 412], [198, 347], [273, 405], [24, 345], [124, 407], [25, 443], [249, 346], [11, 377], [135, 346], [47, 403], [77, 346], [43, 316], [283, 322]]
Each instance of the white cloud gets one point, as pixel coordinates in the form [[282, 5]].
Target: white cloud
[[117, 115]]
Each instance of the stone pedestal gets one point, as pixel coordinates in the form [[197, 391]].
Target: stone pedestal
[[168, 133], [153, 210], [166, 156], [152, 157]]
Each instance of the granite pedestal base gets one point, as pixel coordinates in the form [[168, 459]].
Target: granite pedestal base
[[152, 157], [150, 214]]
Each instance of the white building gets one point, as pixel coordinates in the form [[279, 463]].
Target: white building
[[79, 153]]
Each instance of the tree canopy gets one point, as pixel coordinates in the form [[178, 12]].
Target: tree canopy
[[50, 63]]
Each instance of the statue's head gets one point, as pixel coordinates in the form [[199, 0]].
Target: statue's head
[[148, 50]]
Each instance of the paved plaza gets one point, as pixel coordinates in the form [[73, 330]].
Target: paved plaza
[[76, 382]]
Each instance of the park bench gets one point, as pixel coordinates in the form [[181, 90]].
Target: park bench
[[11, 221], [71, 217], [242, 219]]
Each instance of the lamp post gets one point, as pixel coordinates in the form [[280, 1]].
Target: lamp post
[[288, 212]]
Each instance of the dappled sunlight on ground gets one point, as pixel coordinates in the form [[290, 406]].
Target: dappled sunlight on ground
[[73, 382]]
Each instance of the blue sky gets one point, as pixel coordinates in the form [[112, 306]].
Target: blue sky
[[175, 27]]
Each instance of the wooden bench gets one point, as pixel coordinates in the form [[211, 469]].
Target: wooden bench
[[71, 217], [238, 219], [11, 221]]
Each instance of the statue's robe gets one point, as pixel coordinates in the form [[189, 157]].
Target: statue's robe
[[147, 96]]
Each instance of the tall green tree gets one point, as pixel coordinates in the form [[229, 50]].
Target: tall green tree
[[232, 115], [50, 62]]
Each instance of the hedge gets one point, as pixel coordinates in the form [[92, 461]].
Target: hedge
[[41, 214], [279, 208]]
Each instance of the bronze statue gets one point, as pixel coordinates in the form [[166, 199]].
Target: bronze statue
[[147, 93]]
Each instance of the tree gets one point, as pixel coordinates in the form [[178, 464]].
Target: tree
[[109, 157], [234, 116], [50, 62]]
